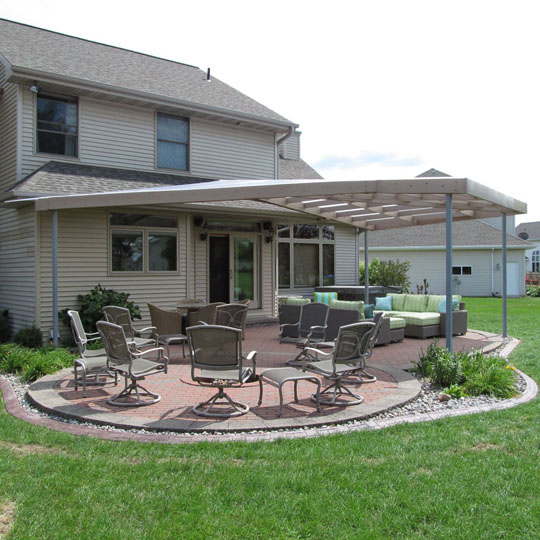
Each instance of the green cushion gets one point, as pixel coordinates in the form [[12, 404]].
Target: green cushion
[[433, 302], [297, 300], [324, 297], [415, 302], [398, 301], [344, 304], [418, 319], [396, 322]]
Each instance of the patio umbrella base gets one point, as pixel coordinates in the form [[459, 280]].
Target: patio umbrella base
[[205, 408], [138, 390]]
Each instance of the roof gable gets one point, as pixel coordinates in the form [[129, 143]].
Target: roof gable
[[46, 52]]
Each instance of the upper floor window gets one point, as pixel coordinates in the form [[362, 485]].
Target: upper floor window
[[57, 125], [172, 142], [536, 261]]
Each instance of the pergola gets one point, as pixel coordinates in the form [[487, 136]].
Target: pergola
[[369, 205]]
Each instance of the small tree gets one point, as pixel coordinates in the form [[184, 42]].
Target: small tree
[[92, 305], [387, 273]]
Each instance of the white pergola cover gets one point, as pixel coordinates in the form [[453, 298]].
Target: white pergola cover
[[368, 204]]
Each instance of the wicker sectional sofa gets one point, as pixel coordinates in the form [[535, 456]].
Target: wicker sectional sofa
[[422, 316]]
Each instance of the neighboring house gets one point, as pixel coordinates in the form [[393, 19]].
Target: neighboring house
[[477, 257], [531, 233], [477, 254], [82, 117]]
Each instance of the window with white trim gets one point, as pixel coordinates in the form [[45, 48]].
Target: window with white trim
[[143, 243], [172, 146], [57, 124], [306, 255], [536, 261], [461, 270]]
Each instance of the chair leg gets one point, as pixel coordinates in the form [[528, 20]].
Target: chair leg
[[128, 390], [205, 408], [338, 392]]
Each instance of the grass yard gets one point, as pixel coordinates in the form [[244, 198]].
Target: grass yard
[[471, 477]]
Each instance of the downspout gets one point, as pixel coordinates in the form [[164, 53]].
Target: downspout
[[492, 272]]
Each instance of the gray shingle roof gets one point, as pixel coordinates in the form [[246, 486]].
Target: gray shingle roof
[[71, 178], [532, 228], [465, 233], [432, 173], [296, 169], [58, 54]]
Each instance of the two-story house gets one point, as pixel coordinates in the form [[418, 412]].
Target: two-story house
[[79, 117]]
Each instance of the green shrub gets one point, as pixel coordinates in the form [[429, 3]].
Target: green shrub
[[32, 364], [533, 290], [387, 273], [13, 358], [492, 380], [92, 304], [467, 374], [5, 330], [29, 337]]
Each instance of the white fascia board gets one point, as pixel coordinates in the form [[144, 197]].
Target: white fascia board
[[20, 72]]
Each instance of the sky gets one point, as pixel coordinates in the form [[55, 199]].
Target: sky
[[381, 89]]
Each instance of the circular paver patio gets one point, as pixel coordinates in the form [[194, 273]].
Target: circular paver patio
[[55, 393]]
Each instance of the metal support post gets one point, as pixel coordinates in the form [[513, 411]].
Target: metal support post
[[55, 276], [504, 278], [366, 267], [448, 329]]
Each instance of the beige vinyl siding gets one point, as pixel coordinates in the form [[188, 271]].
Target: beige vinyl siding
[[346, 258], [83, 254], [120, 136], [226, 152], [17, 265], [431, 264], [290, 148], [267, 280], [8, 136]]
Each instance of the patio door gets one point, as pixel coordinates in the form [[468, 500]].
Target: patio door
[[233, 268]]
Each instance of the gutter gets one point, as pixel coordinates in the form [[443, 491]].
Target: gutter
[[42, 76], [439, 248]]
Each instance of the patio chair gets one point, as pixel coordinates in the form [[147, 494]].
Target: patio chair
[[353, 346], [168, 324], [206, 314], [130, 364], [217, 361], [311, 328], [92, 362], [233, 315], [122, 317]]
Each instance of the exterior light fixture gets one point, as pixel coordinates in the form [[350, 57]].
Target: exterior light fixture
[[34, 87]]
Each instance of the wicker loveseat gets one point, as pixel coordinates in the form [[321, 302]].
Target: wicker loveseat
[[422, 314], [390, 331]]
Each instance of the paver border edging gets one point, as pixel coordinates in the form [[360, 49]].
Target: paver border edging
[[14, 408]]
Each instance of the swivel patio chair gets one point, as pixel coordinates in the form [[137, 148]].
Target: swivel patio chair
[[311, 328], [206, 314], [217, 361], [168, 328], [353, 346], [233, 315], [122, 317], [92, 362], [130, 364]]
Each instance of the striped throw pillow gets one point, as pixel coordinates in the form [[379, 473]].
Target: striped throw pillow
[[324, 297]]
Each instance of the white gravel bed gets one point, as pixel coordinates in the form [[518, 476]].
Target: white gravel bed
[[427, 402]]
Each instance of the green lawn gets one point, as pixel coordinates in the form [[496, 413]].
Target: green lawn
[[472, 477]]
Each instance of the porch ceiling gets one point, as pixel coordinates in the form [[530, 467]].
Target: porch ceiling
[[368, 204]]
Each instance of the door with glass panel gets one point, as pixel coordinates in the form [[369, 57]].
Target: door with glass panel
[[234, 269]]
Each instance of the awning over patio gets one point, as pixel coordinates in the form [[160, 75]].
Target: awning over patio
[[365, 204], [368, 204]]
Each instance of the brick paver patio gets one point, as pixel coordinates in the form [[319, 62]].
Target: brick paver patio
[[394, 386]]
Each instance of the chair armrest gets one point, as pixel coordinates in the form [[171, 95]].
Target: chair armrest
[[251, 357], [159, 350], [147, 329], [287, 325], [92, 338], [92, 334]]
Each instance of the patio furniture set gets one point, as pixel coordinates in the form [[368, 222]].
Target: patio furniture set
[[214, 334]]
